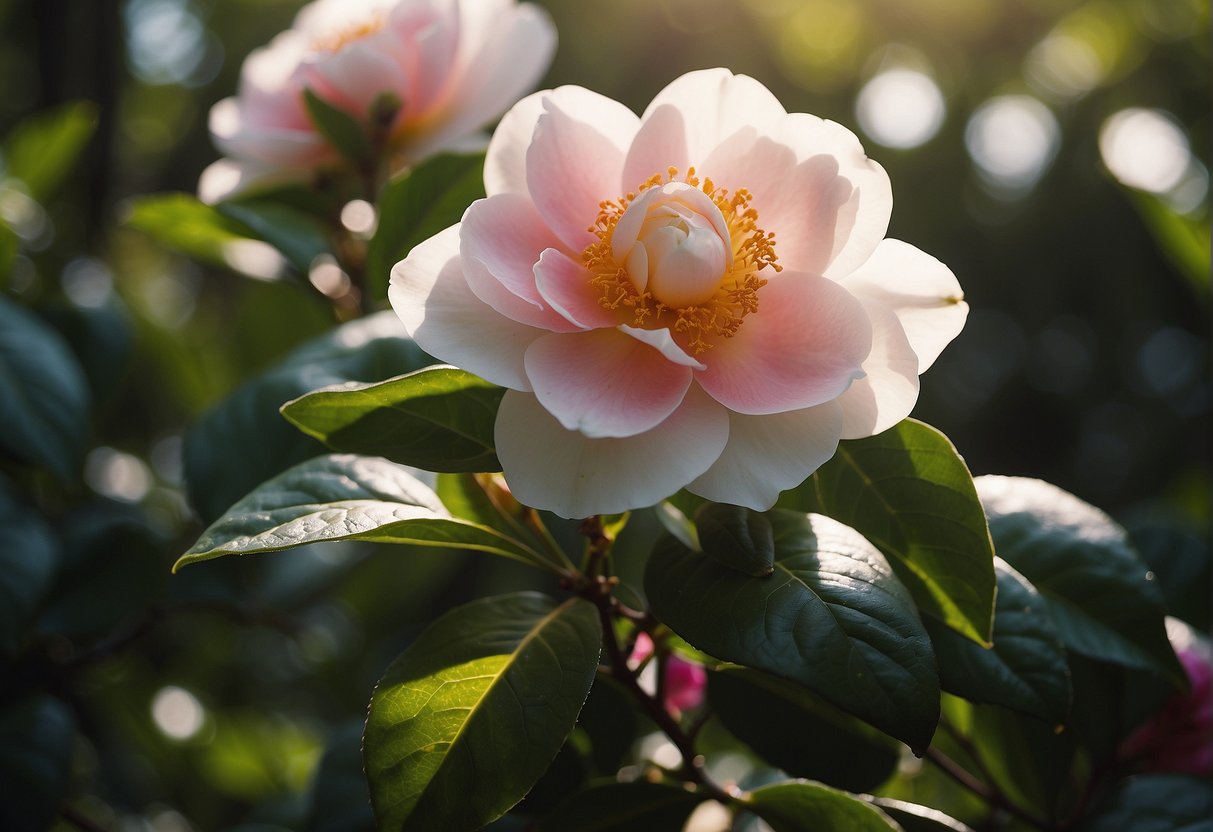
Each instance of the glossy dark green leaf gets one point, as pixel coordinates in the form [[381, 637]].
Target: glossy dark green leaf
[[798, 732], [101, 339], [1155, 803], [439, 418], [342, 130], [470, 715], [832, 617], [244, 440], [804, 806], [1103, 600], [1180, 554], [1026, 669], [609, 806], [346, 497], [44, 397], [609, 719], [914, 818], [736, 537], [42, 150], [36, 738], [300, 237], [29, 559], [909, 492], [417, 205]]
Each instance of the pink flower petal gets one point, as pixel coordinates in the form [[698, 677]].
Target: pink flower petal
[[803, 347], [227, 178], [923, 293], [660, 143], [502, 239], [575, 160], [564, 284], [888, 392], [576, 476], [714, 104], [603, 383], [770, 454], [432, 298], [505, 162], [354, 76], [662, 341], [269, 145]]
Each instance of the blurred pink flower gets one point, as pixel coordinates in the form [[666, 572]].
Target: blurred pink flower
[[454, 65], [701, 297], [685, 681], [1179, 738]]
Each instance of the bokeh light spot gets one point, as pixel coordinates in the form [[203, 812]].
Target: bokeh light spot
[[1145, 149], [900, 108], [177, 713], [1012, 139]]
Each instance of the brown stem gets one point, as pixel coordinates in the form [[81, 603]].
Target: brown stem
[[988, 793]]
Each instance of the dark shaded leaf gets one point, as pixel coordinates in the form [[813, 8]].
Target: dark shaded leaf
[[1156, 803], [36, 739], [343, 131], [29, 561], [300, 238], [609, 806], [736, 537]]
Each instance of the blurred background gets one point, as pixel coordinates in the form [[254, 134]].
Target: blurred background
[[1053, 153]]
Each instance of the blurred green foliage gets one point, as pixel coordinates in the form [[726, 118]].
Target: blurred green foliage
[[207, 699]]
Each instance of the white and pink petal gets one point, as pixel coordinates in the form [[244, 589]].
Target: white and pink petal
[[889, 389]]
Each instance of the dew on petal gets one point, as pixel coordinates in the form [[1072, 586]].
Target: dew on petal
[[900, 108]]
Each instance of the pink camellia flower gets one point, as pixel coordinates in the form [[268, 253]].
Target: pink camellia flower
[[701, 297], [453, 66], [1179, 738], [685, 681]]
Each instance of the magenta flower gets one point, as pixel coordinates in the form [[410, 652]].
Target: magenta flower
[[453, 66], [698, 298], [1179, 738], [685, 681]]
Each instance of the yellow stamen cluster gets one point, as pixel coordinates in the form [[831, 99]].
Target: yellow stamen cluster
[[694, 327], [338, 40]]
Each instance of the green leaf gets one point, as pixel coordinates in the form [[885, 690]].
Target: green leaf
[[799, 733], [909, 492], [243, 440], [346, 497], [43, 149], [342, 130], [439, 418], [44, 398], [1103, 600], [29, 560], [1026, 669], [914, 818], [470, 715], [736, 537], [339, 800], [417, 205], [1156, 803], [609, 806], [300, 238], [180, 221], [803, 806], [832, 617], [36, 738], [1184, 240]]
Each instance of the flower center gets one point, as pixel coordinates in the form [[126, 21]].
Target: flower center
[[369, 24], [681, 254]]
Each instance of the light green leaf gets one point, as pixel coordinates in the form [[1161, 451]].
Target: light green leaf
[[43, 149], [346, 497], [832, 617], [439, 418], [181, 222], [804, 806], [1026, 669], [909, 492], [44, 397], [1103, 600], [470, 715], [417, 205], [244, 440]]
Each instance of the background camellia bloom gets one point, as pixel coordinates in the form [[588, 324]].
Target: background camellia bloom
[[701, 297], [454, 66]]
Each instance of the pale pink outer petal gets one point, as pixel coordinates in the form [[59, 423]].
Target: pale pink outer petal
[[355, 75], [271, 146], [663, 341], [428, 36], [603, 383], [803, 347], [575, 160], [439, 311], [227, 178], [714, 104], [503, 53], [826, 202], [505, 161], [769, 454], [923, 293], [564, 284], [660, 144], [501, 240], [887, 394], [573, 475]]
